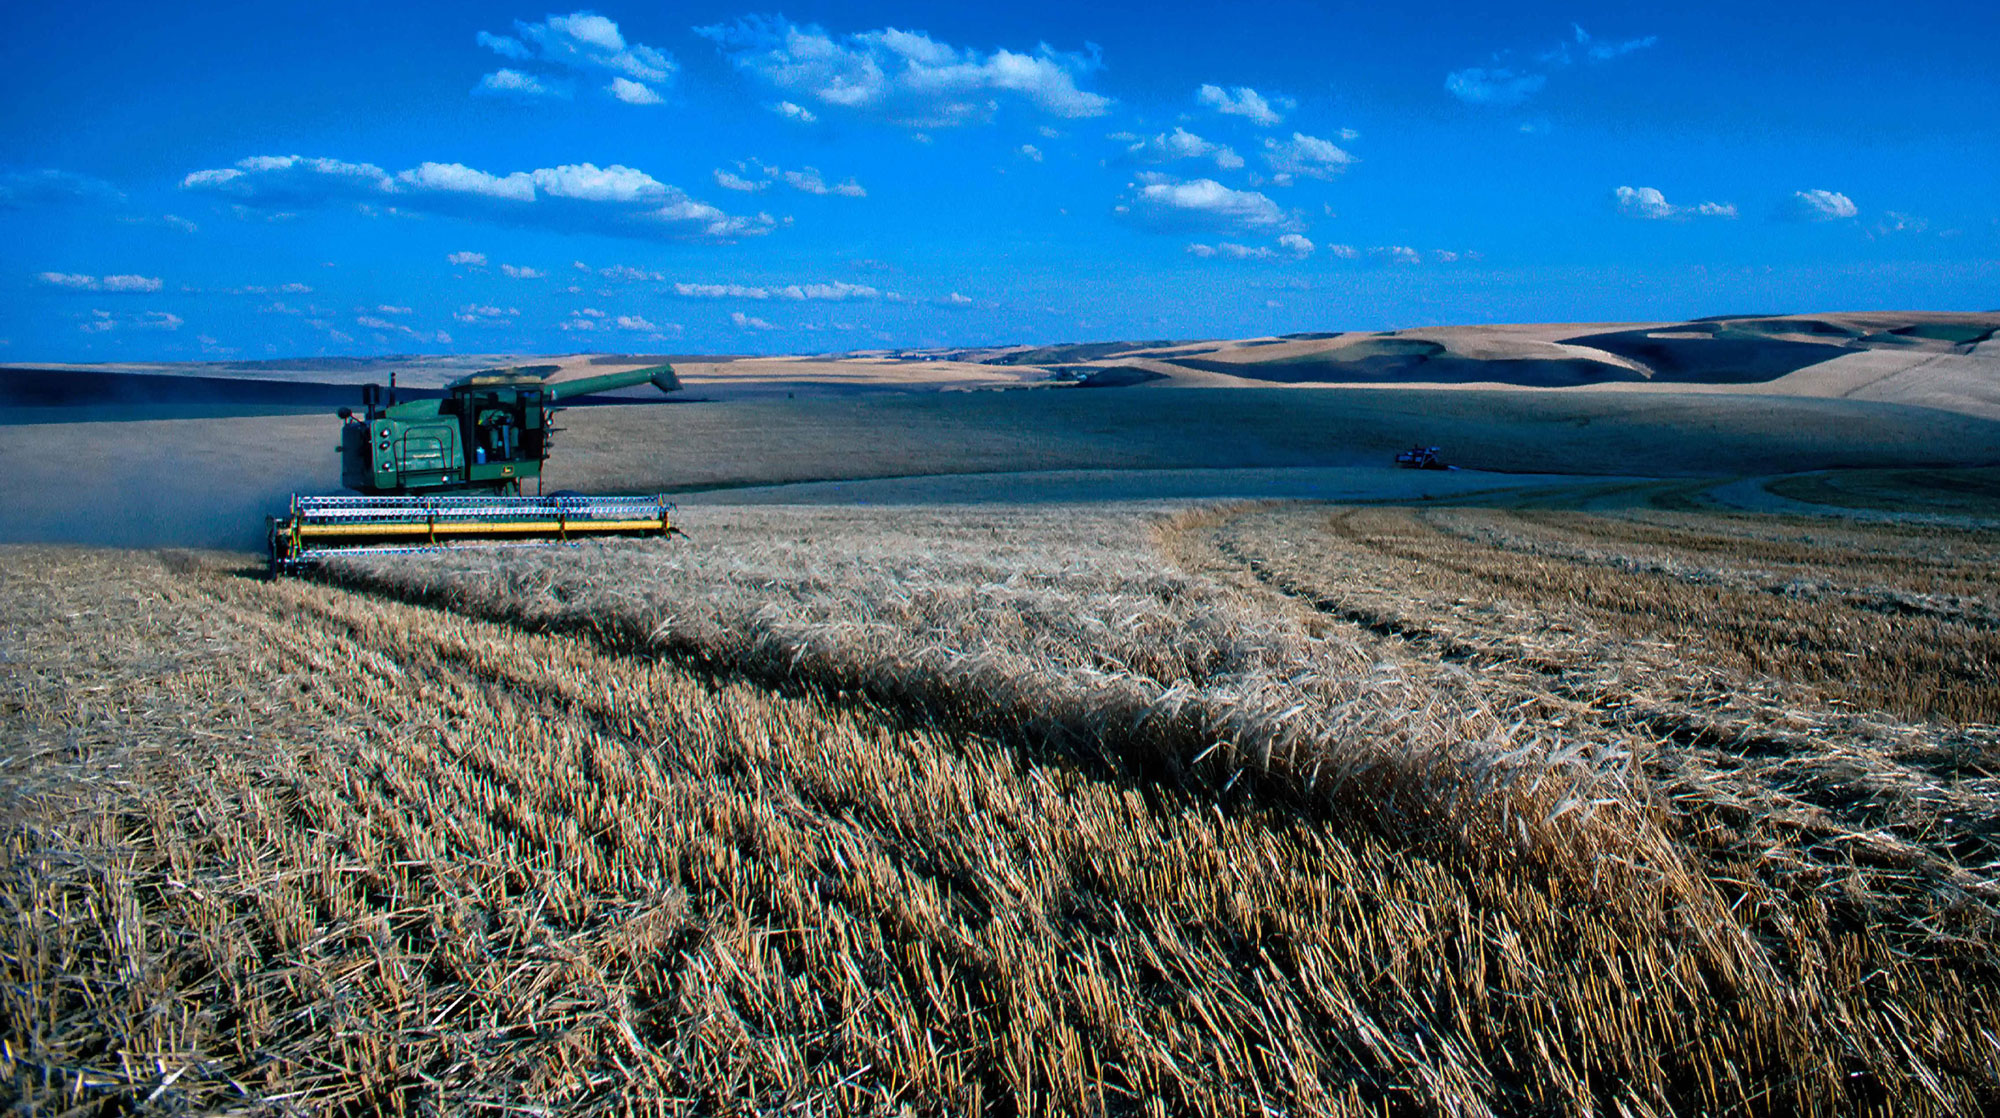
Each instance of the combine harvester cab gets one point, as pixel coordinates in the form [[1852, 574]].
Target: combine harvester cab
[[440, 472]]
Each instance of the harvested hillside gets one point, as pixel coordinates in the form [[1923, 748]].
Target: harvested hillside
[[997, 812]]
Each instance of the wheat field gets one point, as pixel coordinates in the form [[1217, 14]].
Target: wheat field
[[1252, 809]]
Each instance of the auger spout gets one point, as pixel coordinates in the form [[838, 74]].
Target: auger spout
[[662, 377]]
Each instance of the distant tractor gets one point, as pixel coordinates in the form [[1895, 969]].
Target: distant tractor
[[1421, 458], [436, 471]]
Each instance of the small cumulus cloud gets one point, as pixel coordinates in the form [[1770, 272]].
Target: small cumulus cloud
[[755, 174], [1167, 204], [104, 322], [955, 300], [1296, 244], [513, 83], [635, 323], [466, 260], [628, 274], [1029, 152], [581, 43], [906, 77], [1246, 102], [127, 284], [1344, 252], [749, 322], [797, 114], [513, 271], [1178, 144], [720, 291], [632, 93], [1650, 204], [1396, 254], [1819, 205], [482, 314], [391, 308], [1306, 156], [384, 326]]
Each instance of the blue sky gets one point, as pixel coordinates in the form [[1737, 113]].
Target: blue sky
[[268, 180]]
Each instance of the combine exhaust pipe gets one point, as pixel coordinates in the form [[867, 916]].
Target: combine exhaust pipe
[[319, 527]]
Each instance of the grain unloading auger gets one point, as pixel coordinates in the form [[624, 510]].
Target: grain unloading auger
[[443, 471]]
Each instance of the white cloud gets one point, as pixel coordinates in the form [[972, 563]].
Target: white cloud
[[1893, 222], [746, 322], [1396, 254], [1166, 203], [955, 300], [627, 273], [514, 83], [1181, 144], [482, 314], [632, 93], [175, 221], [1479, 85], [579, 43], [1345, 252], [278, 308], [634, 322], [1820, 205], [1246, 102], [1506, 83], [504, 46], [1030, 152], [1648, 203], [579, 197], [837, 291], [466, 259], [720, 291], [126, 284], [807, 180], [1296, 244], [104, 322], [515, 272], [796, 113], [1305, 155], [906, 77], [388, 308], [1601, 51]]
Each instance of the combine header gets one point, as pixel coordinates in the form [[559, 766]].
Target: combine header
[[442, 472]]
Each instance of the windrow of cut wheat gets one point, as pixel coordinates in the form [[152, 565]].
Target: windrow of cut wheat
[[1068, 626]]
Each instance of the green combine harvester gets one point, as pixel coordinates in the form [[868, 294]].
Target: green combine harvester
[[444, 471]]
